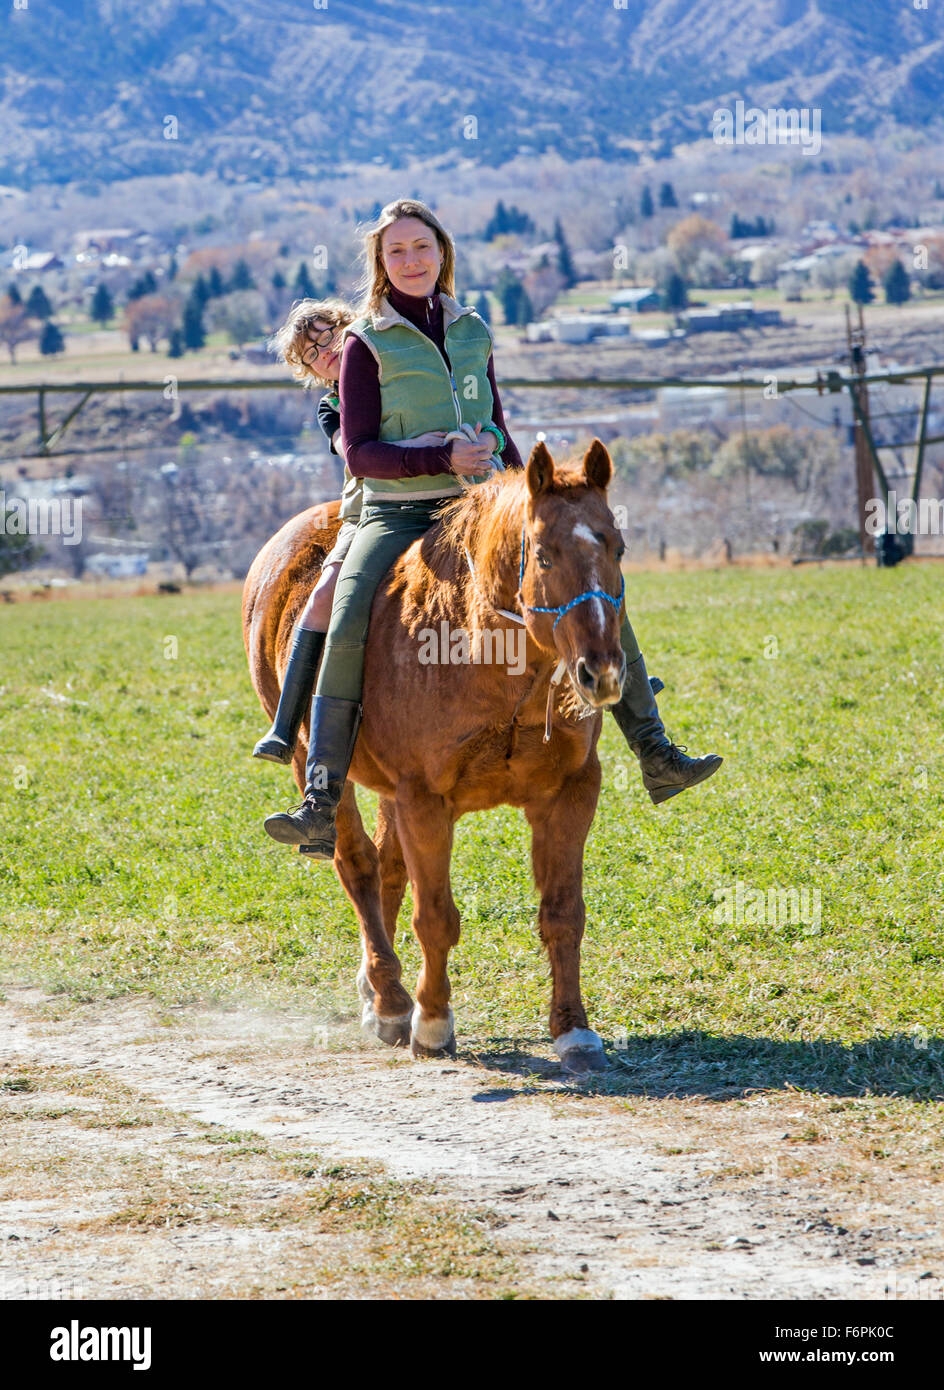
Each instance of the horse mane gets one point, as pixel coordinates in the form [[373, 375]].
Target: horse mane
[[485, 523]]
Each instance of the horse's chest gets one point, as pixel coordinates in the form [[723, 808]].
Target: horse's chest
[[512, 764]]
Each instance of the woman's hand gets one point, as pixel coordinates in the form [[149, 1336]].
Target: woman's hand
[[471, 456]]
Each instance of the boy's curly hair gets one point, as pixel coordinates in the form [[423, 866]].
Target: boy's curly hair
[[291, 340]]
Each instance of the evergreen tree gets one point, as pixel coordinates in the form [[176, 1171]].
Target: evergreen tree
[[102, 307], [51, 340], [241, 278], [675, 293], [172, 268], [860, 284], [200, 291], [525, 309], [145, 284], [37, 305], [278, 281], [646, 207], [303, 285], [193, 332], [176, 348], [896, 284], [508, 291], [215, 286], [482, 309], [565, 264], [13, 294], [667, 198]]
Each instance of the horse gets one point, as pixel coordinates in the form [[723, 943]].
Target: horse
[[536, 550]]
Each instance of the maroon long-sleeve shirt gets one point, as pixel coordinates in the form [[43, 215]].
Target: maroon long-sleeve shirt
[[359, 388]]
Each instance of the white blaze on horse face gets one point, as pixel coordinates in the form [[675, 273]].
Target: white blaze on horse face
[[582, 532]]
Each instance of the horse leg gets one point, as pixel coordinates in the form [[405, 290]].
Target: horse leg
[[559, 828], [393, 875], [425, 827], [387, 1007]]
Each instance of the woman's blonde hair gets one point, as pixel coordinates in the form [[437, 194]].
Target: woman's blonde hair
[[291, 340], [376, 283]]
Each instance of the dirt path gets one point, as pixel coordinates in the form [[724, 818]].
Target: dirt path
[[591, 1195]]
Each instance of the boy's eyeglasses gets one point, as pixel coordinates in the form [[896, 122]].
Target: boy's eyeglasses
[[318, 345]]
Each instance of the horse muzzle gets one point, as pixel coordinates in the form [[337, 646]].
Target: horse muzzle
[[600, 679]]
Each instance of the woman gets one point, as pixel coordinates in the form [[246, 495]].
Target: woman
[[309, 341], [400, 364]]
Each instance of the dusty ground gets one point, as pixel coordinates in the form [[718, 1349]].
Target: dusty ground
[[187, 1153]]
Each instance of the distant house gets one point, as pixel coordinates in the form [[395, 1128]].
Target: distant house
[[578, 328], [639, 299], [104, 239], [730, 317], [39, 261]]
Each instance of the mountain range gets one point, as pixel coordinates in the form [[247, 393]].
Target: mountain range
[[104, 90]]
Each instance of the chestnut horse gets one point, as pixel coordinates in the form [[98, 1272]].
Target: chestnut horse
[[440, 739]]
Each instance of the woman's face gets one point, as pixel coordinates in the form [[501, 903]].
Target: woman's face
[[411, 256], [323, 354]]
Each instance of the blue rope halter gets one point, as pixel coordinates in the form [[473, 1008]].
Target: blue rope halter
[[566, 607]]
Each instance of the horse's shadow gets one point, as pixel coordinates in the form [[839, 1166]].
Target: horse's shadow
[[694, 1064]]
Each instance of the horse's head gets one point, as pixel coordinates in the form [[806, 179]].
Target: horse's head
[[571, 583]]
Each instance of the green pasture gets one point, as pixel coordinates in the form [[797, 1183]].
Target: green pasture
[[132, 857]]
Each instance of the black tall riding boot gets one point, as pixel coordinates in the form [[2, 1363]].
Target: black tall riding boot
[[334, 725], [666, 769], [278, 745]]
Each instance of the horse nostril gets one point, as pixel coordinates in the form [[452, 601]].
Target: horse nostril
[[585, 675]]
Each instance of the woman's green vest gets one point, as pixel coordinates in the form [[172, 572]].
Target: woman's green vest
[[417, 391]]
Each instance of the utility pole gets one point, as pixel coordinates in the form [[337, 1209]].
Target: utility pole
[[855, 338]]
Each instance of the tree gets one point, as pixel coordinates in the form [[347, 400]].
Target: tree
[[565, 265], [691, 236], [200, 290], [509, 292], [176, 346], [241, 278], [151, 317], [15, 327], [646, 206], [505, 221], [51, 340], [482, 309], [13, 293], [102, 308], [303, 286], [896, 284], [145, 284], [172, 269], [675, 293], [667, 198], [278, 281], [860, 284], [239, 315], [38, 305], [193, 330], [215, 287]]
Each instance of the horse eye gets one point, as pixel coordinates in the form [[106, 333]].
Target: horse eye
[[621, 550], [543, 560]]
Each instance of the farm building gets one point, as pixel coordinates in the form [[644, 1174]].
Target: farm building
[[639, 299]]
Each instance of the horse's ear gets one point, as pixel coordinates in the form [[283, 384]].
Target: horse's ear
[[597, 466], [540, 469]]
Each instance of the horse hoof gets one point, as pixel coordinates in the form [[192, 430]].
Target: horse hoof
[[580, 1052], [433, 1037], [395, 1032], [448, 1048]]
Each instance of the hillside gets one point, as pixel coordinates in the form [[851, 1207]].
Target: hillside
[[276, 87]]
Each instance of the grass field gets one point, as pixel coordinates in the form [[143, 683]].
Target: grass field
[[133, 860]]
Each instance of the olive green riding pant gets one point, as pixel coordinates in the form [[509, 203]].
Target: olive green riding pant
[[385, 531]]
